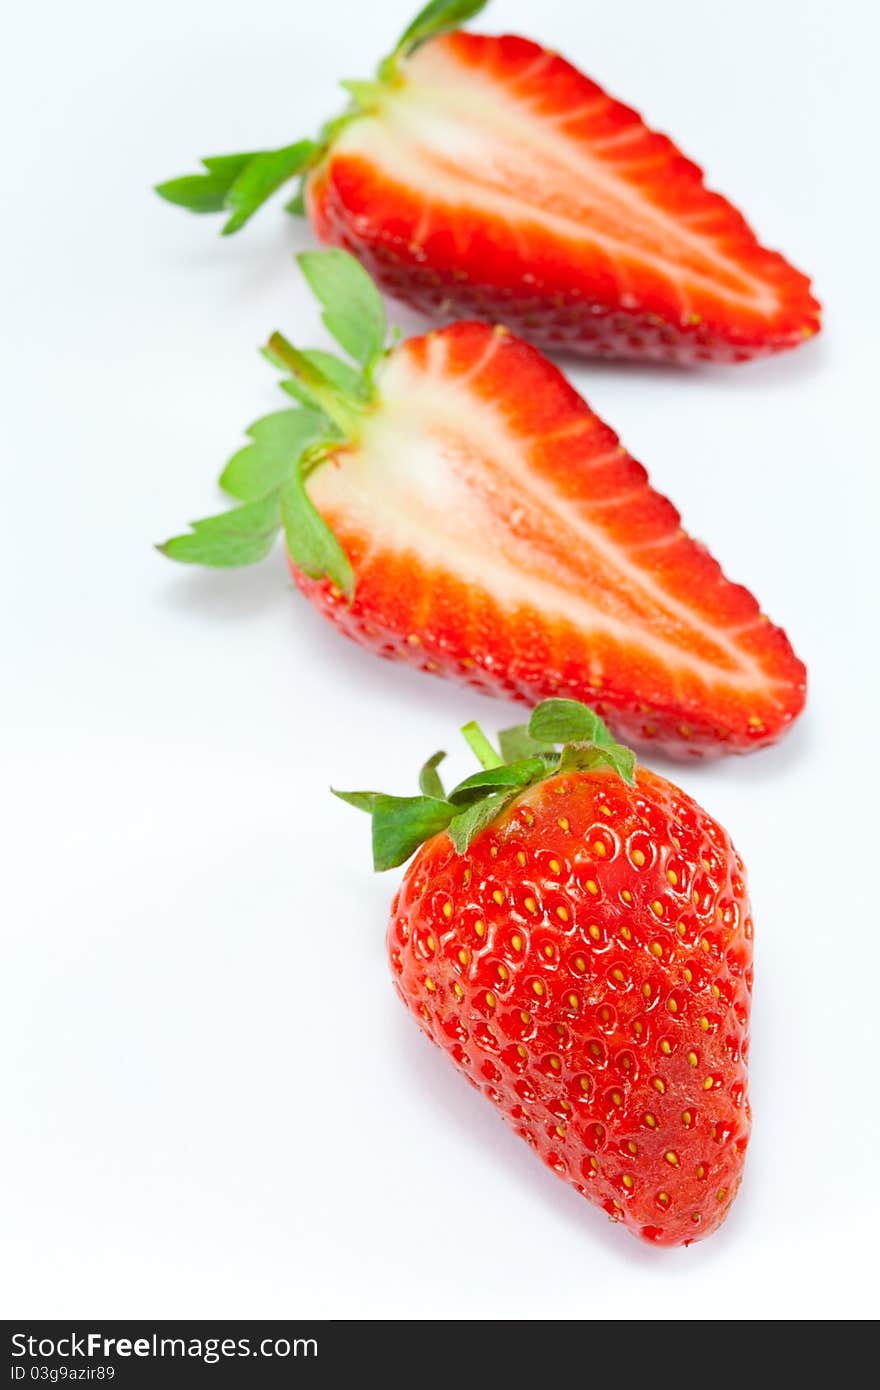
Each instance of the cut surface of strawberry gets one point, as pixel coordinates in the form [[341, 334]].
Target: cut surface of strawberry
[[489, 526], [487, 176]]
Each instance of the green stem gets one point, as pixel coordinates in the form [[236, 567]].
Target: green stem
[[340, 409], [480, 746]]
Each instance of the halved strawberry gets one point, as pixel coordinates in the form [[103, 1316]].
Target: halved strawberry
[[487, 176], [458, 506]]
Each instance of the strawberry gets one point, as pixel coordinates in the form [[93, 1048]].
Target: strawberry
[[488, 177], [576, 935], [456, 505]]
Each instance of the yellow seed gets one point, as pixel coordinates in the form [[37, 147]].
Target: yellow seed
[[618, 975], [672, 876], [424, 1011], [701, 1172], [594, 931], [562, 914], [706, 865], [595, 1049], [493, 852], [480, 928], [708, 1083], [555, 1064], [755, 722], [521, 1050], [490, 999], [646, 990], [632, 1148], [463, 956], [705, 943], [606, 810], [665, 1047], [688, 974], [520, 858], [599, 849], [672, 1005], [538, 987], [585, 1083], [651, 1120], [572, 1001], [693, 1058], [430, 943], [530, 905], [563, 823], [657, 948], [429, 984], [627, 895], [555, 866], [616, 1098], [528, 818], [591, 886], [663, 1197], [516, 942], [716, 991], [594, 1163], [560, 1130], [638, 857], [548, 951], [627, 1181], [686, 1118], [579, 963], [525, 1018], [638, 1028], [458, 990], [659, 1085], [626, 933], [721, 1194], [704, 1024], [498, 896], [680, 928], [657, 908], [447, 910], [502, 972], [671, 1158]]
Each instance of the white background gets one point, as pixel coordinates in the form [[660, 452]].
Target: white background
[[213, 1103]]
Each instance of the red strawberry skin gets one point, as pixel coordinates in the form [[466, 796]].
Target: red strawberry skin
[[500, 535], [587, 964], [496, 181]]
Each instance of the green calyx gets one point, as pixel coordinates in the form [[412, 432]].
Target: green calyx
[[239, 184], [333, 396], [529, 753]]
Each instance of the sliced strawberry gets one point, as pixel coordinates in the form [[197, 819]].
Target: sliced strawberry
[[458, 506], [487, 177], [499, 181]]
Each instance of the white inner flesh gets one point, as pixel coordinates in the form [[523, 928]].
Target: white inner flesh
[[419, 483]]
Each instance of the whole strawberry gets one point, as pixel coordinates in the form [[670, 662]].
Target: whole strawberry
[[576, 934]]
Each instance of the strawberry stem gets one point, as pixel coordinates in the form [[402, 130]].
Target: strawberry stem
[[480, 746], [344, 413]]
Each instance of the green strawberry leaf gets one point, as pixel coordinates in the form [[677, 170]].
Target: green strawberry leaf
[[278, 441], [297, 205], [587, 756], [518, 774], [261, 177], [206, 192], [438, 17], [241, 536], [430, 783], [353, 308], [400, 823], [567, 721], [312, 545], [480, 746], [468, 823], [518, 743]]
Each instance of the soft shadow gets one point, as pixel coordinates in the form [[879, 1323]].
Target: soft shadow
[[222, 595]]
